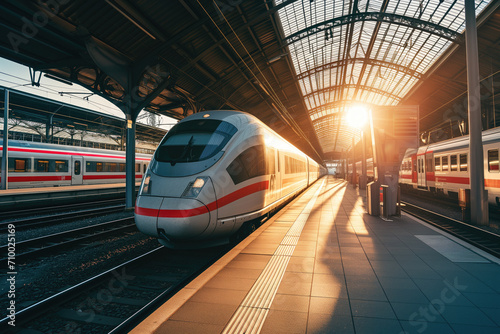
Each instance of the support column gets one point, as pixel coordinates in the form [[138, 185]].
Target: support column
[[353, 177], [130, 163], [479, 202], [363, 178], [5, 150]]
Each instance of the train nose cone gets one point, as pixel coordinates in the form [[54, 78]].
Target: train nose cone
[[182, 218], [172, 218]]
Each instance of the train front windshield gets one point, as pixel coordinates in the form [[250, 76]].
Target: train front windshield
[[194, 141]]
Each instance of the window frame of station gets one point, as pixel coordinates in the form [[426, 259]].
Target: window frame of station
[[460, 166]]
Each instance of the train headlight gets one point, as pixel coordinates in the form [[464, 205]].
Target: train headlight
[[194, 188], [146, 185]]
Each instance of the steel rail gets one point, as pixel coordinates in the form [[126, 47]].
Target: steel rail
[[482, 239]]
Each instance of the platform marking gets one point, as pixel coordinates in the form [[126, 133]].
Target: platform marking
[[450, 249], [252, 312]]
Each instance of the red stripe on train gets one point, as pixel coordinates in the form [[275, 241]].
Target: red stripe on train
[[46, 178], [228, 199], [39, 178]]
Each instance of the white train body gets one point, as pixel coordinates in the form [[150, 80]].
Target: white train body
[[444, 167], [34, 164], [213, 172]]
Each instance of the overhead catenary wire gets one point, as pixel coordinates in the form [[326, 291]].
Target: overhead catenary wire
[[282, 112]]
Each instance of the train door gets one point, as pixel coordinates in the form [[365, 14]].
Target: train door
[[76, 170], [271, 167], [421, 171], [278, 178], [414, 173]]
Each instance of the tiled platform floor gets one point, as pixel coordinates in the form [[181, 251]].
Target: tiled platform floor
[[348, 273]]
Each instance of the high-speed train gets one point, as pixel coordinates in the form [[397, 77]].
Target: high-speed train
[[34, 164], [213, 172], [443, 167]]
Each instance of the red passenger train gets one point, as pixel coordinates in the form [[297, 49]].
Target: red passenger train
[[443, 167], [34, 164]]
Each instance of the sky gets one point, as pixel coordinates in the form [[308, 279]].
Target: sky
[[16, 76]]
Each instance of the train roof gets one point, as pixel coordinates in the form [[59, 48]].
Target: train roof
[[240, 119], [488, 136]]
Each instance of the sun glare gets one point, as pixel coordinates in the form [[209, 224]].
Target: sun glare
[[357, 116]]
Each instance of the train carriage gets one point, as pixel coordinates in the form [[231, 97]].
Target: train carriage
[[34, 164], [213, 172], [443, 167]]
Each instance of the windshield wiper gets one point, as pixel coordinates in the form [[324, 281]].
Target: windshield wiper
[[188, 147]]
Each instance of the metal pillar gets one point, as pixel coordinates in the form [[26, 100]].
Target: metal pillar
[[353, 177], [479, 214], [130, 163], [5, 150], [363, 178]]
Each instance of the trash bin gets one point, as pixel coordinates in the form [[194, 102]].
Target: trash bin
[[373, 198]]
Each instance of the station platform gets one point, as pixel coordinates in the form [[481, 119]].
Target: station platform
[[323, 265]]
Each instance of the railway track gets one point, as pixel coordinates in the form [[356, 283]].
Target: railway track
[[117, 299], [55, 218], [50, 210], [485, 240], [59, 241]]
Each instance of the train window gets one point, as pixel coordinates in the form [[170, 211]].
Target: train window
[[19, 165], [463, 162], [137, 168], [250, 163], [428, 163], [437, 164], [444, 166], [90, 166], [61, 166], [493, 161], [122, 167], [41, 165], [51, 166], [78, 168], [194, 141], [293, 165], [453, 163], [110, 167], [94, 166]]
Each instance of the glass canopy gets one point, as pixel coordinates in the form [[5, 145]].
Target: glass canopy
[[367, 52]]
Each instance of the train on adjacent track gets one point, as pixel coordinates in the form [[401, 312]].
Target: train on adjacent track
[[215, 173], [33, 164], [443, 167]]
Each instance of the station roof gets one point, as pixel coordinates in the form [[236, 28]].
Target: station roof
[[39, 109], [297, 65]]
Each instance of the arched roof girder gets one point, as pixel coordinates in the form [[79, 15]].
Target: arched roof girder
[[349, 61], [354, 86], [335, 115], [411, 22]]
